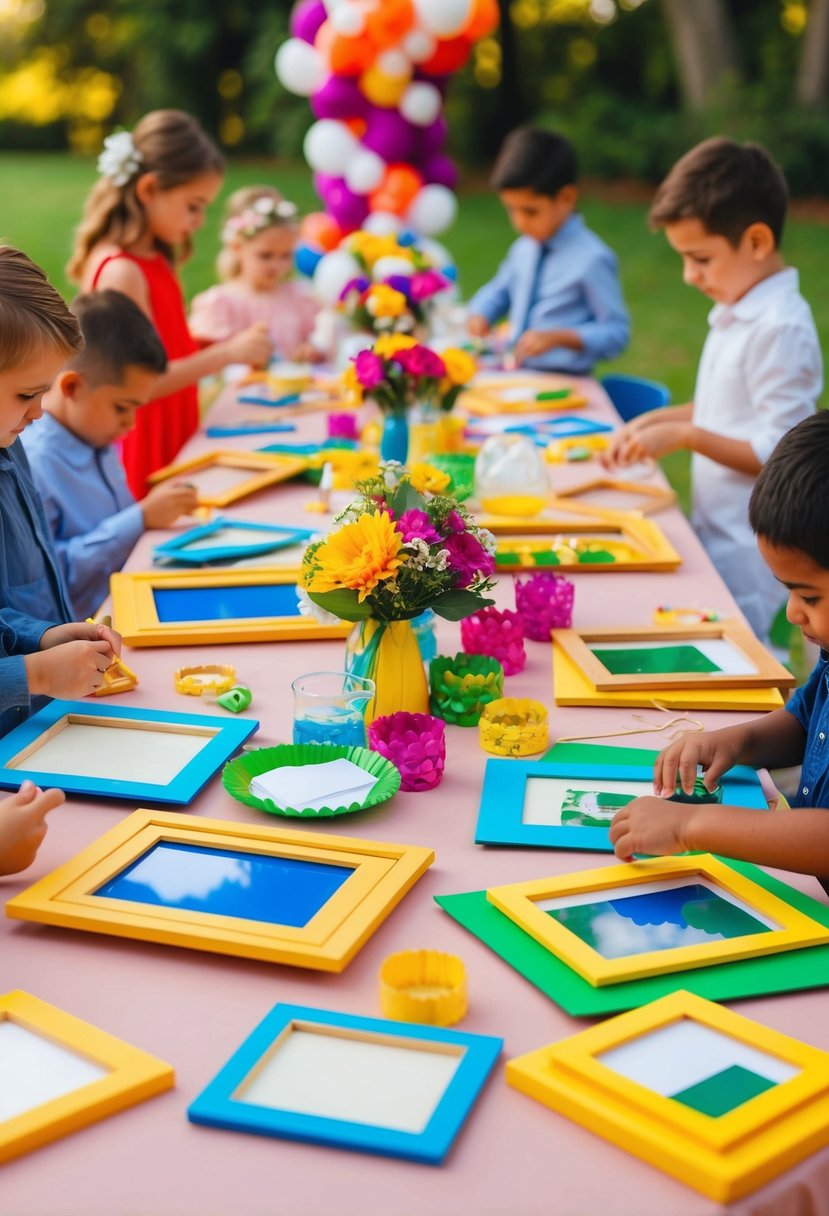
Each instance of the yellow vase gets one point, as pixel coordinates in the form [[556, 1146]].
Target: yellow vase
[[387, 653]]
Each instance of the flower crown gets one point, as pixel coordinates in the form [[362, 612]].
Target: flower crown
[[120, 160], [263, 213]]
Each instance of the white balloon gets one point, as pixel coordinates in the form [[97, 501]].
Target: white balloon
[[364, 171], [433, 210], [348, 19], [437, 254], [384, 267], [382, 223], [329, 147], [418, 45], [333, 271], [443, 18], [421, 103], [299, 67], [393, 63], [331, 6]]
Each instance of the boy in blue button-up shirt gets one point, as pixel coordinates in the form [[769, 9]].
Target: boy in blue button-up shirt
[[559, 283], [788, 511], [93, 517]]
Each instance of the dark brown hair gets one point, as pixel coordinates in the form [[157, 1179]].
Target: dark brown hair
[[31, 312], [532, 159], [789, 504], [118, 335]]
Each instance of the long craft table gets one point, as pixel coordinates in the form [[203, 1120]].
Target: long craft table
[[513, 1157]]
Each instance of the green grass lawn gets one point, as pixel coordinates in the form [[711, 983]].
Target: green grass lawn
[[43, 195]]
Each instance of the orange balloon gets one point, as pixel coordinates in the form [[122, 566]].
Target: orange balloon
[[350, 56], [320, 231], [396, 191], [357, 126], [450, 55], [388, 23], [484, 19]]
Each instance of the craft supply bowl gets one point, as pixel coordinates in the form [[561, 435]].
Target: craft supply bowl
[[423, 986], [463, 685], [545, 601], [415, 743], [499, 634], [514, 727], [238, 773]]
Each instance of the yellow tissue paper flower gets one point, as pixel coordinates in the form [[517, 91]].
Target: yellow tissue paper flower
[[460, 366], [351, 385], [426, 479], [384, 301], [358, 556], [388, 345]]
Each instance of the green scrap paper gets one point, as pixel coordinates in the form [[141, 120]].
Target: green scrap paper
[[791, 971], [661, 660], [723, 1092], [600, 753]]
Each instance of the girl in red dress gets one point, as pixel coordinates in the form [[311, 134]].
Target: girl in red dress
[[139, 218]]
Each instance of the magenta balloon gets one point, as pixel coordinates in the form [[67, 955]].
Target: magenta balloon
[[323, 182], [339, 97], [347, 208], [389, 134], [439, 170], [306, 19], [432, 138]]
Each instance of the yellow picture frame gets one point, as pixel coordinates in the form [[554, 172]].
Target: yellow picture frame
[[724, 1156], [488, 400], [781, 927], [135, 605], [752, 665], [265, 469], [327, 941], [645, 499], [529, 540], [131, 1075]]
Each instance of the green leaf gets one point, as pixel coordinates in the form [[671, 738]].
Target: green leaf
[[406, 498], [342, 603], [455, 605]]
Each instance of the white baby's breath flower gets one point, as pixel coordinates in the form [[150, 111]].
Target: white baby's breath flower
[[391, 472], [487, 540], [120, 160], [308, 608], [350, 514]]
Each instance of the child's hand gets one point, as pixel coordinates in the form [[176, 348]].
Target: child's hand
[[23, 826], [306, 353], [165, 502], [70, 670], [717, 752], [82, 631], [652, 826], [534, 342], [251, 346], [477, 326], [649, 442]]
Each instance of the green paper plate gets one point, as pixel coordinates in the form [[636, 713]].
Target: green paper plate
[[237, 775]]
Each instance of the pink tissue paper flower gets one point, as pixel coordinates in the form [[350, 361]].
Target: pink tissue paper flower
[[420, 361], [370, 370], [416, 525], [426, 283], [468, 557]]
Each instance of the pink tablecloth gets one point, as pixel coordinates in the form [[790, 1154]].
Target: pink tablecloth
[[514, 1157]]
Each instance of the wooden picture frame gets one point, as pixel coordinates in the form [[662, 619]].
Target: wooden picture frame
[[297, 1072], [705, 1094], [207, 607], [305, 899], [519, 395], [609, 496], [527, 544], [717, 653], [115, 751], [61, 1074], [228, 540], [535, 804], [580, 918], [223, 477]]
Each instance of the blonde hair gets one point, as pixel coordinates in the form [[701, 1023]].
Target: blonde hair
[[32, 312], [168, 143], [240, 201]]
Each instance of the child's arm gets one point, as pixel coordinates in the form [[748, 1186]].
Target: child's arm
[[624, 445], [604, 336], [69, 670], [23, 825], [673, 434], [777, 740], [490, 302]]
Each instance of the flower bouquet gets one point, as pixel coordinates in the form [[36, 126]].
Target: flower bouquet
[[397, 285], [401, 547]]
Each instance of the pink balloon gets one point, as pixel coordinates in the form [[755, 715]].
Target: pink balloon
[[306, 19], [322, 183], [431, 139], [389, 134], [346, 207], [339, 97], [439, 170]]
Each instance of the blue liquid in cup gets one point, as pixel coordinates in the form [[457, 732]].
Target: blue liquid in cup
[[344, 727]]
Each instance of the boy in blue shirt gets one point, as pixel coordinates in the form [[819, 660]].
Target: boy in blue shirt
[[93, 517], [788, 511], [559, 282]]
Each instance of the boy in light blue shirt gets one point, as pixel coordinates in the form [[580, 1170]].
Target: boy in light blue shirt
[[559, 282], [93, 517]]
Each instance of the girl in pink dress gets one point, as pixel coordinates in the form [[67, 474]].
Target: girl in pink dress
[[156, 183], [255, 266]]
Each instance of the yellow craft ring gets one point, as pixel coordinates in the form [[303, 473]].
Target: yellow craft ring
[[210, 677], [513, 726], [423, 986]]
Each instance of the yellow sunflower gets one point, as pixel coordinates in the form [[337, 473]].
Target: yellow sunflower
[[352, 387], [460, 366], [358, 556], [426, 479]]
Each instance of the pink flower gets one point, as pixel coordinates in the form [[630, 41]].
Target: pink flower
[[420, 361], [357, 286], [468, 557], [416, 525], [454, 522], [426, 283], [370, 370]]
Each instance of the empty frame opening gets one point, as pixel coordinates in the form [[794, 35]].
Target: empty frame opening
[[626, 921], [331, 1073], [251, 886], [218, 479], [238, 538], [34, 1070], [134, 751], [229, 603], [577, 801], [698, 1066], [703, 655]]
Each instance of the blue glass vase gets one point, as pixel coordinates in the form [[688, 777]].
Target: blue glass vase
[[395, 442]]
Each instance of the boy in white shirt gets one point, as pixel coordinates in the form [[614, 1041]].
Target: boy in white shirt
[[722, 208]]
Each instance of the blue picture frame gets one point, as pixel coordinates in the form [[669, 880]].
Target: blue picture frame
[[217, 1106], [252, 542], [500, 814], [176, 790]]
